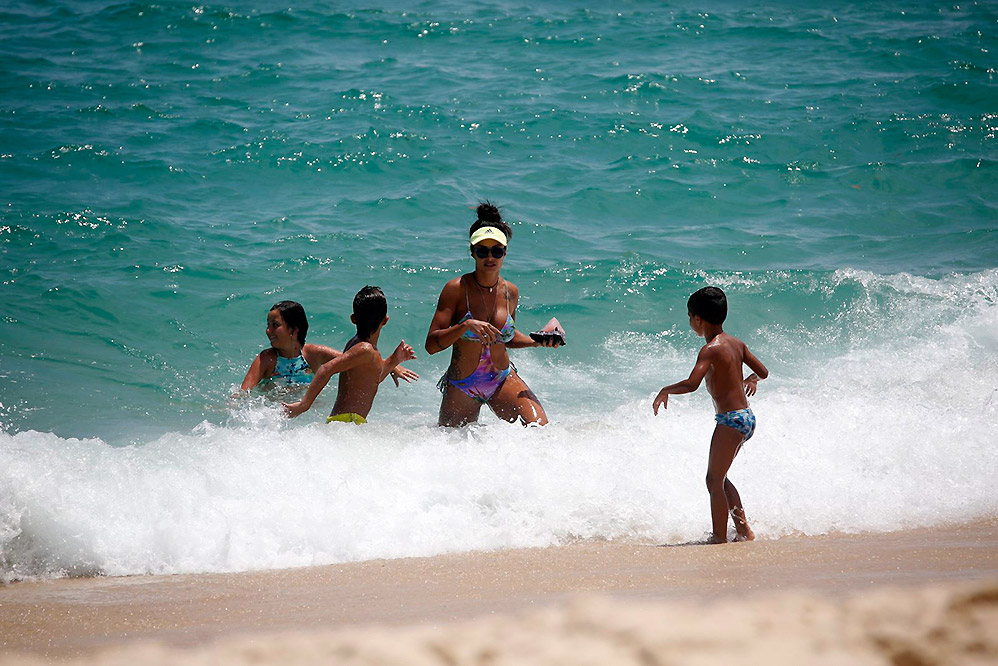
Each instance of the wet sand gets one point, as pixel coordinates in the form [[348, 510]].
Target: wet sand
[[473, 601]]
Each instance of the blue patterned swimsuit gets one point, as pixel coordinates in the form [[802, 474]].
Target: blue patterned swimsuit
[[742, 420], [291, 371]]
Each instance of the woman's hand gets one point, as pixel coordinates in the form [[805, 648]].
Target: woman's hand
[[486, 332], [557, 337]]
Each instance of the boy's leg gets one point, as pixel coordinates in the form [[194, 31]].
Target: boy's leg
[[723, 447], [745, 532]]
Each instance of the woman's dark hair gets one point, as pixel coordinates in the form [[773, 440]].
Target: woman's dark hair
[[489, 216], [710, 304], [293, 315], [369, 310]]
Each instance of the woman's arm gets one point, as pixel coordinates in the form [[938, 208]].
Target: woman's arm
[[442, 334], [520, 339]]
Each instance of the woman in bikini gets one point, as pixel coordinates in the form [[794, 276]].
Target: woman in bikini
[[475, 315]]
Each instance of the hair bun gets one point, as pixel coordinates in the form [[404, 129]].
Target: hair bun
[[488, 213]]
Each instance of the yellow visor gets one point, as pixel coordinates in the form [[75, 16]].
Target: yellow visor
[[488, 233]]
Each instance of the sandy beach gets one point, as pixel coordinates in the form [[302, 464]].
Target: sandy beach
[[832, 596]]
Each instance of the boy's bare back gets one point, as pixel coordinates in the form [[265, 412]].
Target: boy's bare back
[[719, 361], [359, 384], [725, 355]]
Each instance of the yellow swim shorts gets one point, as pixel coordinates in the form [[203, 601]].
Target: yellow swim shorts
[[348, 417]]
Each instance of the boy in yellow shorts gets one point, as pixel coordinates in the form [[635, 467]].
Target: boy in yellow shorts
[[360, 366]]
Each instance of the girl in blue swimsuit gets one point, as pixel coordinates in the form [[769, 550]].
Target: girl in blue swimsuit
[[475, 316], [290, 362]]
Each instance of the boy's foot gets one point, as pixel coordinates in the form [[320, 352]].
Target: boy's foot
[[745, 532]]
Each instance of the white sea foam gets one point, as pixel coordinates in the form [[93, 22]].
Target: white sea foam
[[895, 432]]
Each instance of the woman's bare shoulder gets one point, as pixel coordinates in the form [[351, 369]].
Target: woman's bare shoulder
[[452, 289]]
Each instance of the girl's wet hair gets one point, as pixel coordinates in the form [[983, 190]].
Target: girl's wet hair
[[293, 315], [489, 216], [369, 309], [710, 304]]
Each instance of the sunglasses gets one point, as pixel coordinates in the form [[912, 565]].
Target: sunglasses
[[483, 251]]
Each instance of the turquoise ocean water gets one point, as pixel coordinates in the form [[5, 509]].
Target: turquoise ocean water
[[169, 170]]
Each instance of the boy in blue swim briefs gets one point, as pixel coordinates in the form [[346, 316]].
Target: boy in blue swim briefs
[[720, 363]]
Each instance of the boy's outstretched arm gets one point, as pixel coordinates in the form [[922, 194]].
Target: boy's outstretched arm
[[688, 385], [345, 361], [402, 353], [759, 371]]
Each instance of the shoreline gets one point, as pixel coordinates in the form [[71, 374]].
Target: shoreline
[[77, 617]]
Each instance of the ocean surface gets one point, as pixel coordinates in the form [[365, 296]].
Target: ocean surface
[[169, 170]]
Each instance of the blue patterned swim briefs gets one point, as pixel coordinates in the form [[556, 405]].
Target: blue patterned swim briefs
[[742, 420]]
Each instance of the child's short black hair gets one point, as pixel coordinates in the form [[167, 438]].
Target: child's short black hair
[[710, 304], [293, 315], [369, 309]]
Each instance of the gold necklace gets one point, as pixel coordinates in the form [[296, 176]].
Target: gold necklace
[[495, 301]]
